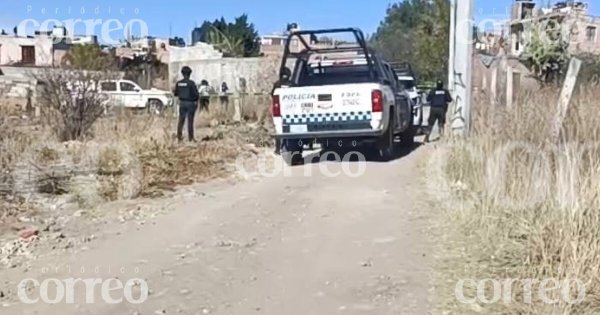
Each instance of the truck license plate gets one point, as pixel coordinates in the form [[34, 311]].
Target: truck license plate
[[307, 108], [298, 128]]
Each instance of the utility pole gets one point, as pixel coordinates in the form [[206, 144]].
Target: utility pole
[[460, 64], [452, 47]]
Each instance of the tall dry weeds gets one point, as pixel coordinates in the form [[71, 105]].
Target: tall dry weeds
[[130, 154], [522, 207]]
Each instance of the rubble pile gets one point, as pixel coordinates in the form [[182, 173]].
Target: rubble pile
[[12, 253]]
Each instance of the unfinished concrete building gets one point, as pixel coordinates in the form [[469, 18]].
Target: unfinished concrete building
[[580, 29]]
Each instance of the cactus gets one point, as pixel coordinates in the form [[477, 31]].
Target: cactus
[[547, 50]]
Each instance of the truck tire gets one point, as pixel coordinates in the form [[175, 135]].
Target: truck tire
[[292, 152], [386, 144], [407, 138], [155, 107]]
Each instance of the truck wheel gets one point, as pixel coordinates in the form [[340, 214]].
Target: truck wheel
[[407, 138], [386, 143], [155, 107], [292, 152]]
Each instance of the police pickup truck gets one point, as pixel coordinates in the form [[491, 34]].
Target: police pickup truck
[[340, 96]]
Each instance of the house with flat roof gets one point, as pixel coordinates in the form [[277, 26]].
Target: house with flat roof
[[45, 48], [34, 50], [580, 29]]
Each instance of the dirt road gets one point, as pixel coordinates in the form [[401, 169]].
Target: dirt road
[[284, 245]]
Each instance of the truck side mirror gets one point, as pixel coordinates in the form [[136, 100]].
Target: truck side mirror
[[286, 74]]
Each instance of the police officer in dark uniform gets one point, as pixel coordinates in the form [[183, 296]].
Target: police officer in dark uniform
[[438, 99], [187, 92]]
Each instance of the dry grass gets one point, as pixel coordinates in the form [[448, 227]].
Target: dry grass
[[521, 207], [166, 166], [11, 106], [131, 154], [253, 108]]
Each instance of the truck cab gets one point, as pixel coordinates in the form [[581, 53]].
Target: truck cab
[[408, 81], [128, 94]]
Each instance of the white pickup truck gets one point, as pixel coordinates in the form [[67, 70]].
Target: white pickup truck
[[407, 79], [341, 97], [128, 94]]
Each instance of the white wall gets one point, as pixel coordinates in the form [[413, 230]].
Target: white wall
[[579, 43], [208, 64], [10, 49], [259, 73], [200, 51]]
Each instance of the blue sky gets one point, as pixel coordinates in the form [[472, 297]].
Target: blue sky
[[178, 17]]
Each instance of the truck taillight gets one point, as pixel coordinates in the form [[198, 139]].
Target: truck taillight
[[377, 101], [276, 106]]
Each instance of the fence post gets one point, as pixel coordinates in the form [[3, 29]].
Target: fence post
[[565, 97], [493, 85], [509, 87], [237, 113]]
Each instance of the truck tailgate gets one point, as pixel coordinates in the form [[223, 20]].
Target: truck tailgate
[[326, 108]]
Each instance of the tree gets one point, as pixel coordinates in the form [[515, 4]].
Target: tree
[[177, 41], [433, 41], [395, 35], [144, 69], [237, 39], [71, 100], [88, 57], [417, 32], [230, 44]]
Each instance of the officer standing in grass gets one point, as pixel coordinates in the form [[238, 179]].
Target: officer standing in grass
[[438, 99], [204, 95], [187, 92], [224, 95]]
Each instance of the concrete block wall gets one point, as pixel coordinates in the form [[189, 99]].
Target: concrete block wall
[[16, 81], [259, 73], [493, 81], [16, 87], [200, 51]]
